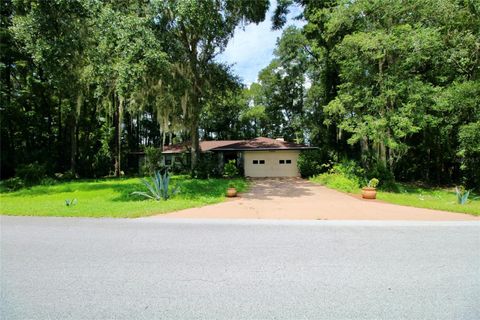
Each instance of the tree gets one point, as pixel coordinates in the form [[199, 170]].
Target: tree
[[54, 33], [283, 84], [202, 29], [254, 117], [390, 71], [220, 118], [127, 52], [392, 79]]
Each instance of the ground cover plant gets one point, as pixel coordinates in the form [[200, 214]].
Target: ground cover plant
[[111, 198]]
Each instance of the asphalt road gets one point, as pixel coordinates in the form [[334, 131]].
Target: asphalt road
[[67, 268]]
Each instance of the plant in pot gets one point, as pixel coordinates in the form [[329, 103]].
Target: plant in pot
[[230, 170], [231, 190], [370, 191]]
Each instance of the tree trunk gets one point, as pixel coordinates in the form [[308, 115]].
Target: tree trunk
[[60, 139], [364, 151], [164, 137], [73, 132], [73, 144], [382, 153], [138, 141], [195, 143], [117, 119]]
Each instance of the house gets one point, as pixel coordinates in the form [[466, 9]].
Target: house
[[259, 157]]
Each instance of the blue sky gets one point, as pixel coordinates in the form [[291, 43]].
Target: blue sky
[[251, 49]]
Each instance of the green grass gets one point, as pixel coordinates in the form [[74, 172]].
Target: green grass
[[430, 198], [407, 195], [112, 198]]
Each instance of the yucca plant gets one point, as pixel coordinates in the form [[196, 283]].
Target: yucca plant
[[462, 195], [159, 187]]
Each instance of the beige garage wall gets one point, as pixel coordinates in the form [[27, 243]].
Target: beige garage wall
[[272, 167]]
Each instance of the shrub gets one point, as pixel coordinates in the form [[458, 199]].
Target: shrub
[[348, 168], [13, 184], [346, 176], [338, 181], [153, 161], [31, 173], [230, 169], [381, 172], [469, 153], [207, 166], [48, 181], [310, 162], [179, 167], [66, 176]]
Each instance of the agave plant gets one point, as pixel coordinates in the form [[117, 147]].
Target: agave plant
[[462, 195], [159, 187], [70, 203]]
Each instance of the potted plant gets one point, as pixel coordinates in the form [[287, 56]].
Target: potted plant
[[370, 191], [231, 191]]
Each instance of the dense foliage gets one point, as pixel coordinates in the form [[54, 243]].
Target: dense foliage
[[393, 85], [311, 162], [86, 84], [230, 169]]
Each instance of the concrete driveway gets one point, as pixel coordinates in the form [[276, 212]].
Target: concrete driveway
[[300, 199]]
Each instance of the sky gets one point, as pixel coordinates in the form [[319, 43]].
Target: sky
[[250, 50]]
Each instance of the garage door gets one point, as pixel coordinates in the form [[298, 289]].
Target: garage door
[[277, 163]]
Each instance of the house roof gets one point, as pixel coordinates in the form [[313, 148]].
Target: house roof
[[260, 143]]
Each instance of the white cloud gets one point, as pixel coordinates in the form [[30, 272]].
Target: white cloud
[[251, 49]]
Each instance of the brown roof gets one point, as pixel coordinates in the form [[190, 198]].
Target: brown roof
[[216, 144], [204, 146], [175, 148], [260, 143]]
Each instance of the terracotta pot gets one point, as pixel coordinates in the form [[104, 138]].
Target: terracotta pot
[[369, 193], [231, 192]]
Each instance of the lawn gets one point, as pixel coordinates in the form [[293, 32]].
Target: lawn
[[431, 198], [407, 195], [112, 198]]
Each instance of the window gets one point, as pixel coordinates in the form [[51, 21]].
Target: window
[[281, 161], [255, 161], [262, 161], [288, 161], [258, 161], [168, 162]]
